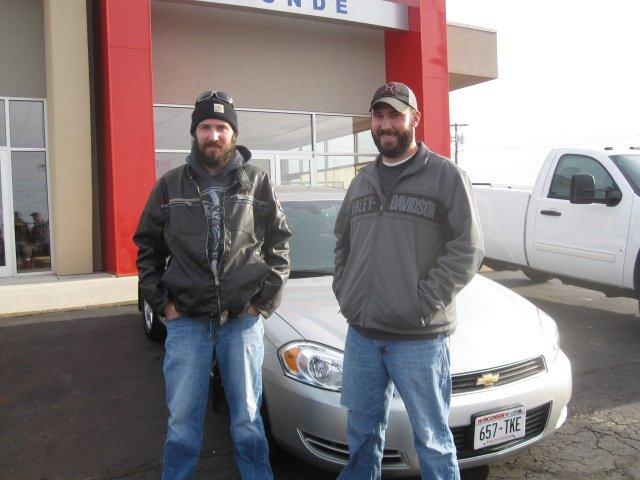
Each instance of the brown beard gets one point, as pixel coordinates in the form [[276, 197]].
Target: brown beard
[[402, 145], [218, 159]]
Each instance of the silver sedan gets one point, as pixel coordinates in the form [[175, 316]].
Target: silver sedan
[[511, 380]]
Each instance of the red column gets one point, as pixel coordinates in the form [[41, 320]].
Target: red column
[[124, 120], [419, 59]]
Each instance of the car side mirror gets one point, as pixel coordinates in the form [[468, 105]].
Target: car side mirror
[[612, 197], [583, 188]]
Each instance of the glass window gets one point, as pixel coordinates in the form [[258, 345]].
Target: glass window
[[3, 126], [284, 132], [295, 171], [172, 128], [335, 171], [312, 241], [571, 164], [630, 166], [365, 142], [167, 161], [336, 134], [31, 211], [263, 164], [26, 122]]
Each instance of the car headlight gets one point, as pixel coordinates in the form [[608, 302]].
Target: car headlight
[[313, 364], [550, 335]]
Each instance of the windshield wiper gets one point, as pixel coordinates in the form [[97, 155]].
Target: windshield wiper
[[310, 273]]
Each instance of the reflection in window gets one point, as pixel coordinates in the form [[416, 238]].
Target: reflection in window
[[172, 126], [311, 245], [26, 121], [364, 142], [338, 170], [167, 161], [31, 211], [295, 171], [3, 126], [336, 134], [284, 132], [569, 165], [263, 164]]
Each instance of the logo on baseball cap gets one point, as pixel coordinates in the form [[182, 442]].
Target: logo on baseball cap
[[396, 94]]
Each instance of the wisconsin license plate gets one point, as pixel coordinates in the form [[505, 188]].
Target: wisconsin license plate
[[499, 427]]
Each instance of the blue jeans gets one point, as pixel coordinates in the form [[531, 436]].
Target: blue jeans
[[419, 369], [190, 348]]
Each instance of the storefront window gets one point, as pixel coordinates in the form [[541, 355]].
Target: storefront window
[[294, 171], [31, 211], [282, 132], [172, 128], [26, 119], [364, 142], [167, 161], [3, 126], [338, 134], [338, 170]]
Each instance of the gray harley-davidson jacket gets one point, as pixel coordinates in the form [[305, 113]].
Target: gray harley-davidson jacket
[[400, 260]]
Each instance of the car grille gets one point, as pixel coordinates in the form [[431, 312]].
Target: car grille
[[536, 422], [467, 382], [339, 452]]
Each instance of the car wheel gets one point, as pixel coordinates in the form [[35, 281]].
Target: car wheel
[[153, 328], [537, 276]]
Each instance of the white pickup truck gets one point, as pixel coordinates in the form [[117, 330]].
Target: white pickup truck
[[580, 223]]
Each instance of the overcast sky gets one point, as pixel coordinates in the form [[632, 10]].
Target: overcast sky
[[568, 75]]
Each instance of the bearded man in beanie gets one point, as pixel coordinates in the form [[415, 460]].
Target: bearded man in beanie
[[408, 240], [213, 257]]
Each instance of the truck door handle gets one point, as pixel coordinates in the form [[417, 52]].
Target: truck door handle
[[553, 213]]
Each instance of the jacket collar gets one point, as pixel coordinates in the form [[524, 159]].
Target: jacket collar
[[372, 173]]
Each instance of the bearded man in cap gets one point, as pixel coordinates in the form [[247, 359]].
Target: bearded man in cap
[[213, 257], [408, 240]]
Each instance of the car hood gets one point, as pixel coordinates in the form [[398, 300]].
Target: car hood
[[495, 326]]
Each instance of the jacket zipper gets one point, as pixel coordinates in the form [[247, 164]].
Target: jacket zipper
[[372, 265], [375, 247], [206, 245]]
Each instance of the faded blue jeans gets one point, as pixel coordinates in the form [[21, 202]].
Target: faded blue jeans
[[190, 348], [420, 371]]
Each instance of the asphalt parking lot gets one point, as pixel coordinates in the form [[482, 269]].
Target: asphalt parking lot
[[81, 397]]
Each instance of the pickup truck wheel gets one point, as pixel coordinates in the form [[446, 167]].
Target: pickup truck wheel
[[153, 328], [537, 276]]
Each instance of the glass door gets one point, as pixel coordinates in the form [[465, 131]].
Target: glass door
[[7, 255]]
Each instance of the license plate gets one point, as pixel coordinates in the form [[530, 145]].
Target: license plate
[[499, 427]]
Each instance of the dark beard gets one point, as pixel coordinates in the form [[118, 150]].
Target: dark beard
[[217, 160], [402, 145]]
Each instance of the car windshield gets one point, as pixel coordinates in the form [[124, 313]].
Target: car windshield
[[312, 241], [629, 164]]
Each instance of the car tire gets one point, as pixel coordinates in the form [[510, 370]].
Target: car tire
[[536, 275], [153, 327]]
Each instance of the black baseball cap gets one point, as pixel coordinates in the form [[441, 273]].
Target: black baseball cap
[[396, 94]]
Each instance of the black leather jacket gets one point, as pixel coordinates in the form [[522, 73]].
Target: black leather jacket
[[172, 246]]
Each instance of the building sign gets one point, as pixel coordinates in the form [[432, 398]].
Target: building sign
[[382, 13]]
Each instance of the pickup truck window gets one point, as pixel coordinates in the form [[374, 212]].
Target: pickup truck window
[[569, 165], [629, 165]]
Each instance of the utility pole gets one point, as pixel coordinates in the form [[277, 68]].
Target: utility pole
[[457, 139]]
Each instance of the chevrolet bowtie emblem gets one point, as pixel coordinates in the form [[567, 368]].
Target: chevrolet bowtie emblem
[[488, 379]]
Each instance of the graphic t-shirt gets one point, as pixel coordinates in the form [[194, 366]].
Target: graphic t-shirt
[[212, 198]]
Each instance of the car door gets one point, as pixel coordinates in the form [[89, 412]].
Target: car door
[[582, 241]]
